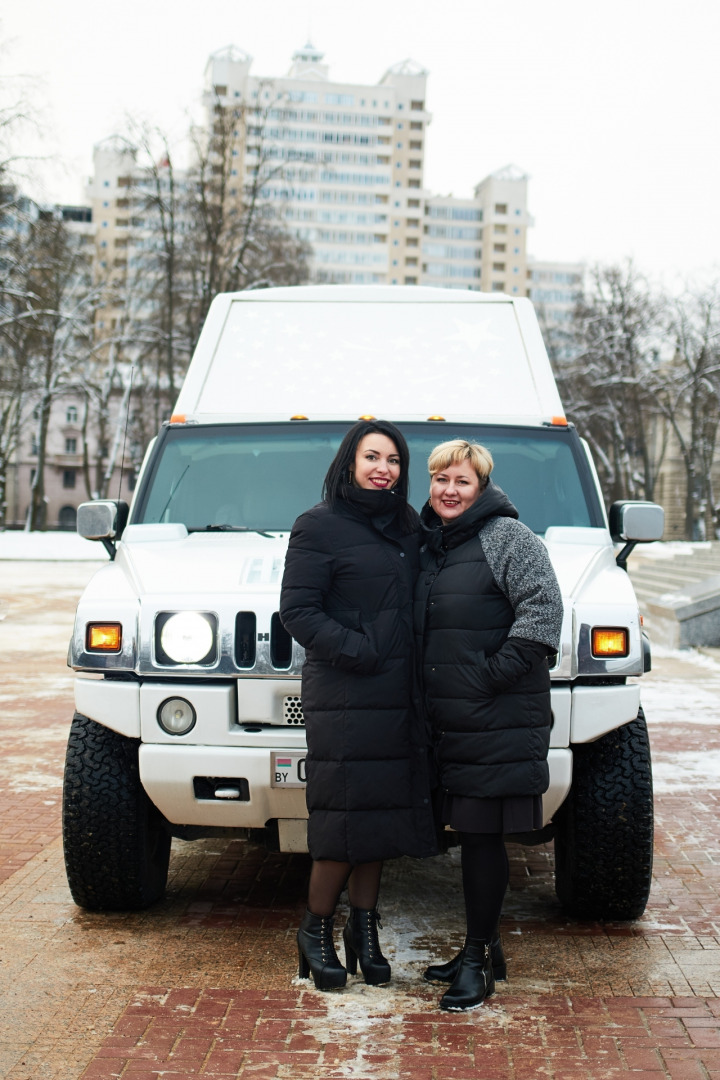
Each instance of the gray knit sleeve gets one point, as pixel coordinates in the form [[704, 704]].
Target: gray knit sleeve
[[521, 566]]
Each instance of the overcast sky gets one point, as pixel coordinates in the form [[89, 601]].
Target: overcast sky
[[612, 109]]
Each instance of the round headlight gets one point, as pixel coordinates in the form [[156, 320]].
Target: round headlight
[[186, 637], [176, 716]]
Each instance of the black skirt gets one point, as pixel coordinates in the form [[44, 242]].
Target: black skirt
[[514, 814]]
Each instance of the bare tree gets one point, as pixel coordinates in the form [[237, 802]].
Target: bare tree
[[690, 401], [60, 307], [611, 386], [17, 214], [237, 240], [159, 215], [196, 232]]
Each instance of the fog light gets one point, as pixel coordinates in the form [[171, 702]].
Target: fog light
[[176, 716], [608, 641], [103, 637]]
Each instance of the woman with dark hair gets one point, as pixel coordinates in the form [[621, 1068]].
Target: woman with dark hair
[[347, 599]]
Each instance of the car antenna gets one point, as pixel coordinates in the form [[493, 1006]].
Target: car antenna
[[127, 423]]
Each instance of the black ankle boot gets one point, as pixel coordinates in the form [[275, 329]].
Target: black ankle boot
[[316, 952], [474, 981], [361, 943], [446, 973]]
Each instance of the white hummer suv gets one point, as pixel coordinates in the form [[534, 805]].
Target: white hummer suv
[[189, 702]]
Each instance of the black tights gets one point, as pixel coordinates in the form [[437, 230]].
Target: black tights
[[485, 877], [328, 879]]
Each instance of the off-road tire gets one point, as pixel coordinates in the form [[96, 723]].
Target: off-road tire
[[117, 844], [604, 829]]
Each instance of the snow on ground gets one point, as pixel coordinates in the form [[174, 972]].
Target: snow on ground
[[681, 697], [668, 549], [687, 770], [49, 546], [688, 656]]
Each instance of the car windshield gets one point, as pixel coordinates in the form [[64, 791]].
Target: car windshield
[[261, 477]]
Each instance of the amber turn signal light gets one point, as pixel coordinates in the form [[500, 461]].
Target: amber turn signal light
[[609, 641], [103, 637]]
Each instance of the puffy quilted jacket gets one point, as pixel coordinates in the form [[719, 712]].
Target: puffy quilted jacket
[[485, 595], [347, 599]]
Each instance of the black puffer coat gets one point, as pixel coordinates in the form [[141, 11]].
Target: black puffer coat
[[485, 593], [347, 599]]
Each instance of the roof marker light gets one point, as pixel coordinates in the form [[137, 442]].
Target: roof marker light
[[298, 416], [436, 418], [559, 421], [367, 416], [178, 418]]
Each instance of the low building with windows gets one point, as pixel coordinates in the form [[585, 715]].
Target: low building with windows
[[77, 465], [479, 243]]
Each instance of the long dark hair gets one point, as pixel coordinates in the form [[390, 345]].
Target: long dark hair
[[338, 481]]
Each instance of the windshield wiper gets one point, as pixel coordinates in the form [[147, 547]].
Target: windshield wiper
[[232, 528], [173, 492]]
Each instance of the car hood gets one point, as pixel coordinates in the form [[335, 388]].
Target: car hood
[[200, 563]]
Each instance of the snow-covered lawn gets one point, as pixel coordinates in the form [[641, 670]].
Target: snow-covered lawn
[[40, 546]]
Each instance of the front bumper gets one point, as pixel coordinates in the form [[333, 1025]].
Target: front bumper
[[168, 774], [240, 724]]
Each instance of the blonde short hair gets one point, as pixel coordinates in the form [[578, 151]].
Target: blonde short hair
[[456, 451]]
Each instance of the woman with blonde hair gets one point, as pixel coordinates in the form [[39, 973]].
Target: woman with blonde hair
[[488, 614]]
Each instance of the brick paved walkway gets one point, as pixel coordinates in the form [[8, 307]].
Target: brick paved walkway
[[204, 984], [224, 1034]]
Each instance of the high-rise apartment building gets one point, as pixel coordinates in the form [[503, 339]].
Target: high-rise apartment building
[[344, 162], [345, 165]]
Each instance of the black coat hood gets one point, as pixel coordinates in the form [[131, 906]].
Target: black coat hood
[[492, 503]]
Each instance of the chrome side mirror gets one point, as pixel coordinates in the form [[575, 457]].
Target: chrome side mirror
[[103, 519], [641, 522], [635, 523]]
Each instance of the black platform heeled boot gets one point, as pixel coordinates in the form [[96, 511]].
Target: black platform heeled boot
[[316, 953], [474, 981], [361, 944], [445, 973]]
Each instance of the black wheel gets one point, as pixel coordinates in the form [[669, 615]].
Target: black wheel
[[117, 844], [604, 829]]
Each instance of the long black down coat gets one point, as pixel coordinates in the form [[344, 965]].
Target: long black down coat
[[486, 594], [347, 598]]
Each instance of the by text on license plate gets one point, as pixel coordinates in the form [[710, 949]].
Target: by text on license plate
[[287, 770]]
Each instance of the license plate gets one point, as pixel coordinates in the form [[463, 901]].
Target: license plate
[[287, 770]]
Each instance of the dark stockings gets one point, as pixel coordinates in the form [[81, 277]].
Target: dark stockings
[[328, 879], [485, 877]]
